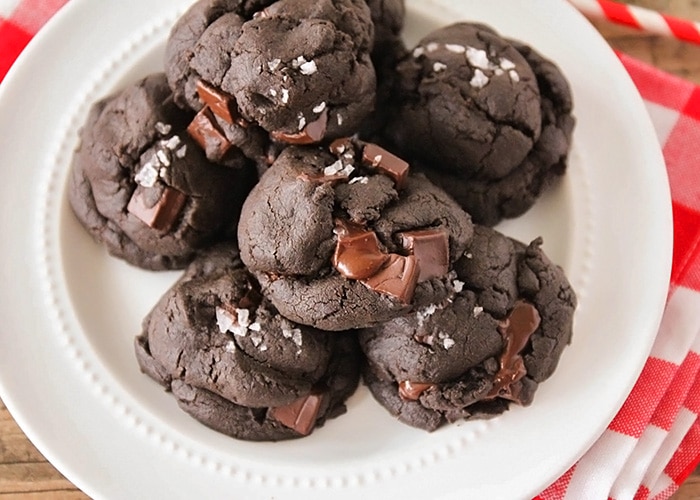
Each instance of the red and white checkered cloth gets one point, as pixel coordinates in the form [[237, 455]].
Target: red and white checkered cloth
[[653, 443]]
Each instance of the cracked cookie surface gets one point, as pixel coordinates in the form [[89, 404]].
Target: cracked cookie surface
[[234, 363], [462, 358]]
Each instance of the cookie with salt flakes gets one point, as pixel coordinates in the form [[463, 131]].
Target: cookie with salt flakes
[[235, 364], [491, 343], [143, 188]]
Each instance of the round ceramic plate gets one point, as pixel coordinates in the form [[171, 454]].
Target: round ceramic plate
[[69, 311]]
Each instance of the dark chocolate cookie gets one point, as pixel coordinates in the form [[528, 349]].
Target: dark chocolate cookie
[[468, 102], [143, 188], [498, 336], [489, 201], [348, 239], [234, 363], [299, 69]]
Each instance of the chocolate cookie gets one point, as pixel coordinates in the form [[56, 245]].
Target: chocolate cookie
[[299, 69], [489, 201], [143, 188], [468, 102], [498, 336], [235, 364], [348, 238]]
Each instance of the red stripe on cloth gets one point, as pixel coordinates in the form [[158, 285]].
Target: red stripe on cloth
[[657, 86], [667, 411], [686, 241], [618, 13], [635, 413], [685, 30], [13, 39], [692, 400], [642, 493], [557, 489], [687, 457], [692, 107]]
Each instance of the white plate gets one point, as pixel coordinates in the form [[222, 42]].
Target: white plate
[[70, 312]]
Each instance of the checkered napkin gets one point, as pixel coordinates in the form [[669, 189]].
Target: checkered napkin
[[653, 443]]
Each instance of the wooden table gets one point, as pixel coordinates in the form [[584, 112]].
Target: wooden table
[[25, 473]]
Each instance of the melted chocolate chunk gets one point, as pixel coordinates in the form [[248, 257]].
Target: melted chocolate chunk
[[411, 391], [357, 253], [299, 415], [157, 207], [386, 162], [312, 133], [205, 131], [431, 248], [397, 278], [516, 329], [221, 103]]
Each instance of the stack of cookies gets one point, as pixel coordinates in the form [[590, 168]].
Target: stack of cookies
[[331, 194]]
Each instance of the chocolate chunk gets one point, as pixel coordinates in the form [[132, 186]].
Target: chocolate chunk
[[357, 253], [517, 328], [398, 277], [158, 208], [222, 104], [411, 391], [313, 132], [386, 162], [299, 415], [432, 249], [208, 135]]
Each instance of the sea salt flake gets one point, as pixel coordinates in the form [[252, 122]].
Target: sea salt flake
[[296, 337], [182, 152], [506, 64], [333, 169], [477, 311], [308, 68], [163, 157], [362, 180], [478, 58], [163, 128], [448, 342], [238, 330], [296, 63], [458, 285], [263, 348], [339, 119], [163, 172], [230, 346], [256, 340], [274, 64], [468, 255], [432, 47], [172, 143], [456, 48], [286, 333], [514, 75], [347, 170], [377, 160], [285, 96], [302, 122], [498, 72], [224, 319], [147, 176], [254, 327], [439, 66], [479, 80], [418, 51], [243, 317], [273, 92], [320, 107]]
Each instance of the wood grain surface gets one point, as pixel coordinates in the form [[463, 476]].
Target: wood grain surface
[[24, 472]]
